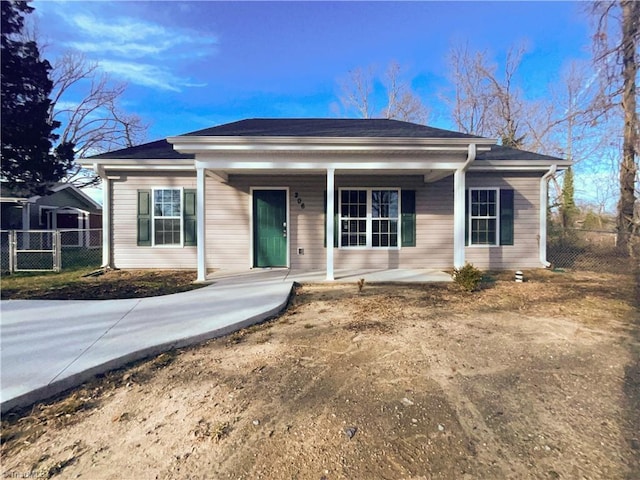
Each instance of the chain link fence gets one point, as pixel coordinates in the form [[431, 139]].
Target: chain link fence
[[50, 250], [589, 250]]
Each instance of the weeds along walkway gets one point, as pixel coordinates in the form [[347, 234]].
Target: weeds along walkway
[[49, 346]]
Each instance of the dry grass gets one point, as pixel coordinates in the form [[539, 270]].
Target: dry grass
[[73, 285]]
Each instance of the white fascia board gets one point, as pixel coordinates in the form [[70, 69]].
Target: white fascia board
[[111, 163], [337, 165], [198, 142], [516, 165]]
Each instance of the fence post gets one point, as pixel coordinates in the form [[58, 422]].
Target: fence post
[[57, 251], [12, 251]]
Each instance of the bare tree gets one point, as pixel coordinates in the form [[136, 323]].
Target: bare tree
[[616, 42], [402, 103], [486, 103], [96, 123], [357, 92], [472, 102]]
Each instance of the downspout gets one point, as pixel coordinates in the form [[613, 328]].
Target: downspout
[[106, 215], [459, 186], [544, 191]]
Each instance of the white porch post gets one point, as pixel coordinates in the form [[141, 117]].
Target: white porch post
[[329, 216], [106, 219], [458, 217], [459, 186], [201, 227]]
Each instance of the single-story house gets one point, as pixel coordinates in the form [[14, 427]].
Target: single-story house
[[257, 193], [65, 207]]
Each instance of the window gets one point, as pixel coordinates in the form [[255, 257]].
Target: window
[[353, 218], [490, 216], [167, 216], [384, 209], [369, 218]]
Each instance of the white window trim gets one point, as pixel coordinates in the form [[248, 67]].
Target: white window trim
[[497, 217], [153, 218], [369, 219]]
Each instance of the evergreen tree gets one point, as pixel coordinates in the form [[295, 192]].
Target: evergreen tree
[[568, 207], [28, 163]]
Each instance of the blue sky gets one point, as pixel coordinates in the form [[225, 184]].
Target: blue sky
[[191, 65]]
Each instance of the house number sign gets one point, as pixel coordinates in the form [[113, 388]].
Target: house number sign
[[298, 200]]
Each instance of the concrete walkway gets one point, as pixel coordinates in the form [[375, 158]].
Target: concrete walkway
[[48, 346]]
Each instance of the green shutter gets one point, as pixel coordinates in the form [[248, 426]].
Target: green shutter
[[408, 218], [144, 218], [466, 217], [189, 220], [506, 217], [336, 219]]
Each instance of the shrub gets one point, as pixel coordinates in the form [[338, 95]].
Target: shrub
[[468, 277]]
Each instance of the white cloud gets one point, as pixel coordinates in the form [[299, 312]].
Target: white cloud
[[132, 38], [147, 75], [127, 45], [124, 29]]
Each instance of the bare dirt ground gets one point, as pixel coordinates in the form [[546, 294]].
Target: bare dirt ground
[[536, 380]]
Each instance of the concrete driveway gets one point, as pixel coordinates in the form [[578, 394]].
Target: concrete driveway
[[48, 346]]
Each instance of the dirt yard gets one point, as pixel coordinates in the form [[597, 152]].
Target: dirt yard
[[539, 380]]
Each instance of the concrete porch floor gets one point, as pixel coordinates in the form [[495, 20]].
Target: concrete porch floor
[[401, 275]]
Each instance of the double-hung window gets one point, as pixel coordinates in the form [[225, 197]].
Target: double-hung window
[[384, 221], [167, 216], [490, 216], [369, 218]]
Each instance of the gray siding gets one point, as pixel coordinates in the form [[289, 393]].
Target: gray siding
[[524, 253], [229, 235], [126, 253]]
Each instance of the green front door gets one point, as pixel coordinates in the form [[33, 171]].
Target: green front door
[[269, 228]]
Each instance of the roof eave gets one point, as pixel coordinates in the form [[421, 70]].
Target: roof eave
[[195, 144], [533, 164]]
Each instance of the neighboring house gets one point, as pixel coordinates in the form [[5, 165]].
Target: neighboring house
[[66, 207], [257, 193]]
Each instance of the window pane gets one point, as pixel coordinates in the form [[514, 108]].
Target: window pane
[[167, 211], [483, 211], [393, 240]]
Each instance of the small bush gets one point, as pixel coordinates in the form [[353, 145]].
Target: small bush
[[468, 277]]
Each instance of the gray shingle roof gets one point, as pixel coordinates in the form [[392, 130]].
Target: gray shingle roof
[[317, 127], [326, 127], [499, 152], [160, 149]]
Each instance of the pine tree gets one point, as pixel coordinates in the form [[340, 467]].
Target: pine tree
[[568, 207], [28, 163]]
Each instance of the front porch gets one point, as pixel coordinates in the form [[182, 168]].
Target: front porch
[[400, 275]]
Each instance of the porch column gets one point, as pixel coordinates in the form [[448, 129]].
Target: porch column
[[458, 217], [201, 227], [459, 186], [329, 216], [106, 218]]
